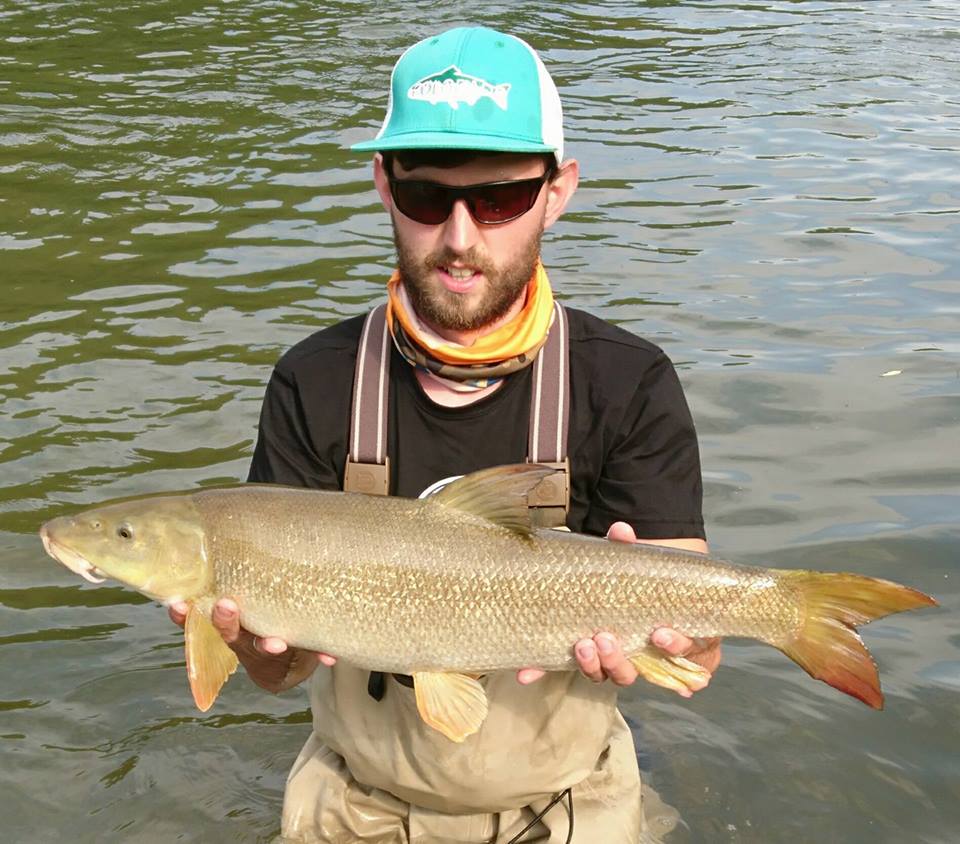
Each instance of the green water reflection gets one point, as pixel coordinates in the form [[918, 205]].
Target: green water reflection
[[764, 194]]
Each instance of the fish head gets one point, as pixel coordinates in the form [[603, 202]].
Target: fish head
[[154, 545]]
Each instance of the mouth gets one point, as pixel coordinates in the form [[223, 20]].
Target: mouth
[[459, 279], [72, 560]]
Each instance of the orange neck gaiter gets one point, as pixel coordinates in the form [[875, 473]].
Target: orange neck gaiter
[[507, 349]]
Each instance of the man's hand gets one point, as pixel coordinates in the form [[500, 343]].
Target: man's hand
[[269, 662], [602, 658]]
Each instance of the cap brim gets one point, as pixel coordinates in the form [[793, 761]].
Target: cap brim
[[451, 140]]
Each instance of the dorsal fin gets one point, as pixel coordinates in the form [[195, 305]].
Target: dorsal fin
[[498, 494]]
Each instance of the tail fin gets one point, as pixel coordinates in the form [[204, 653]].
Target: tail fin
[[827, 646]]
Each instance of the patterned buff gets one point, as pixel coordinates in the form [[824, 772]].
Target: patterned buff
[[510, 348]]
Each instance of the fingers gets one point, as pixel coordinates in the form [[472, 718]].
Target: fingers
[[268, 660], [270, 645], [301, 665], [226, 618], [621, 532], [602, 657], [526, 676], [674, 643], [708, 653], [588, 659], [704, 652], [178, 612]]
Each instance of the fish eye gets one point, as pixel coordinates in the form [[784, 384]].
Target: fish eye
[[124, 531]]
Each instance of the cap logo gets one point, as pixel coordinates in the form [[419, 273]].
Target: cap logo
[[453, 87]]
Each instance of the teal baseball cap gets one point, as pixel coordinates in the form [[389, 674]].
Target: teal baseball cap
[[471, 88]]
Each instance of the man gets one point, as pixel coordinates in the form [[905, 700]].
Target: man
[[469, 165]]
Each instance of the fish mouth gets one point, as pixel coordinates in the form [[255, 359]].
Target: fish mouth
[[71, 559]]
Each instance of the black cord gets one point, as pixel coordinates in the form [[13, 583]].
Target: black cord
[[556, 799]]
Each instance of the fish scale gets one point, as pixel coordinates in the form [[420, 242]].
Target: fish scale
[[491, 599]]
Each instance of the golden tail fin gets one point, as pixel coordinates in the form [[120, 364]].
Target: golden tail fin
[[827, 646]]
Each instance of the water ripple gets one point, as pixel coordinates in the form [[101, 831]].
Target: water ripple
[[769, 190]]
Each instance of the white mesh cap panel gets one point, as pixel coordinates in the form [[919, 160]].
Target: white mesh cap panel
[[550, 108]]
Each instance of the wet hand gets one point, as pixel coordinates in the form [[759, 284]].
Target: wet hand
[[704, 652], [268, 660]]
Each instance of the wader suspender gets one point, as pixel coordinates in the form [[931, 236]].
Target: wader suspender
[[368, 466]]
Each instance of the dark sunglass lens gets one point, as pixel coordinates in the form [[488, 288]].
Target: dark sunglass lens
[[499, 203], [421, 201]]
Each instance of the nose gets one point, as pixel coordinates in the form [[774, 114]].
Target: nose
[[460, 231]]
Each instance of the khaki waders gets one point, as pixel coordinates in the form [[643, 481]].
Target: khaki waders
[[372, 771]]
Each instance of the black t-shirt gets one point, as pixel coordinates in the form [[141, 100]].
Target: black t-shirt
[[632, 445]]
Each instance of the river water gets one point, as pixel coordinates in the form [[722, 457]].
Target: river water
[[771, 191]]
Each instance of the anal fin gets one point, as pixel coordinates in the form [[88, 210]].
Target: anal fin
[[672, 672], [210, 661], [454, 704]]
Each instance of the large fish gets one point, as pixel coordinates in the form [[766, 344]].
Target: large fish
[[455, 585]]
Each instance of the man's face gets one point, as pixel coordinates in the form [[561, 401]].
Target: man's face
[[462, 275]]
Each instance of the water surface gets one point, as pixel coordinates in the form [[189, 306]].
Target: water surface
[[771, 191]]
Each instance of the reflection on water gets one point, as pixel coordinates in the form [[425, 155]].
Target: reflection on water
[[765, 194]]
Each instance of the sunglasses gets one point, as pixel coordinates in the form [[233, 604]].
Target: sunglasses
[[431, 203]]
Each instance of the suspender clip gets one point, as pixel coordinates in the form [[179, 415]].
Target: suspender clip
[[371, 478], [549, 500], [553, 490]]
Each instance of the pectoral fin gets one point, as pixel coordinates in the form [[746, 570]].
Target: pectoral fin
[[672, 672], [454, 704], [209, 659]]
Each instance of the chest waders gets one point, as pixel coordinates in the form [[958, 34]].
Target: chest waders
[[368, 464]]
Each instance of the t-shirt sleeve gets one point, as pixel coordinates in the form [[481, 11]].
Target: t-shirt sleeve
[[285, 452], [651, 475]]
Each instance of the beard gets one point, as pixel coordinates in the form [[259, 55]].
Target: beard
[[458, 312]]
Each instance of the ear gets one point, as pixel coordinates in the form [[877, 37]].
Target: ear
[[560, 189], [381, 183]]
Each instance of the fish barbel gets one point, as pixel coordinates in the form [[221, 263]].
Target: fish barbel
[[454, 586]]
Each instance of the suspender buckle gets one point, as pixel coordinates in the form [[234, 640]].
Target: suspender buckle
[[371, 478]]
